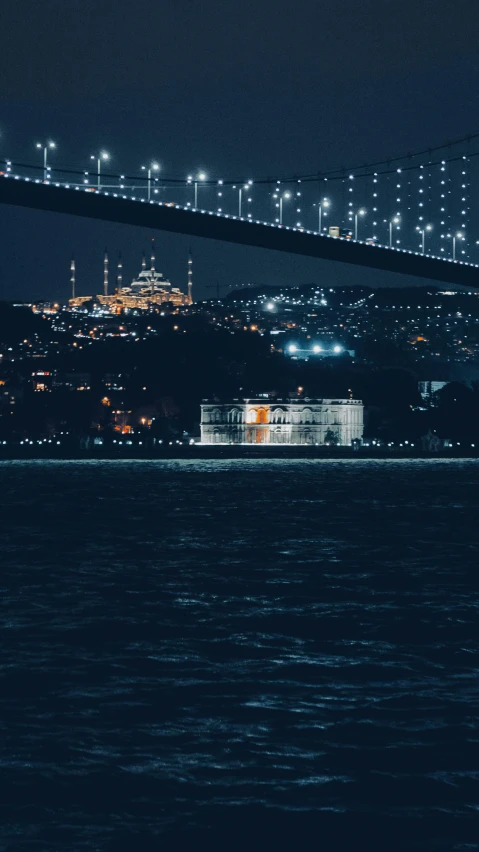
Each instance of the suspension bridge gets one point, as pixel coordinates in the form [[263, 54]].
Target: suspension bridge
[[411, 215]]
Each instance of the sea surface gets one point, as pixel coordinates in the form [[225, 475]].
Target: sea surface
[[239, 654]]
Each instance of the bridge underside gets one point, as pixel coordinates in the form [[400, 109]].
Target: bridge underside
[[194, 223]]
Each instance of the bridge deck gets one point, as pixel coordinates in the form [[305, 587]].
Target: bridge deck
[[94, 205]]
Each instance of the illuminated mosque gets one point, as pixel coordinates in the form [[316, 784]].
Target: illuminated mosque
[[149, 288]]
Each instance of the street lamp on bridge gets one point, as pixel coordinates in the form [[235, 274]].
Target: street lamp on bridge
[[422, 231], [280, 204], [149, 169], [200, 177], [45, 146], [359, 213], [322, 204], [394, 220], [240, 195], [99, 157], [458, 236]]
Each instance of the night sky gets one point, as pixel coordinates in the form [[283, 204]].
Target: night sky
[[246, 88]]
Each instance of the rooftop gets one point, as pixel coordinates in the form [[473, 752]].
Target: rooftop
[[264, 400]]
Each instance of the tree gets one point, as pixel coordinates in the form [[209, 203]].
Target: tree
[[331, 438]]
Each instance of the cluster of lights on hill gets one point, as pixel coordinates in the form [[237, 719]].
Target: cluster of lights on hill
[[316, 349]]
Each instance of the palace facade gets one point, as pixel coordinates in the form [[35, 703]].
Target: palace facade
[[273, 421]]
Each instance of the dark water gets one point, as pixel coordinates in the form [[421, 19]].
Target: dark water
[[239, 654]]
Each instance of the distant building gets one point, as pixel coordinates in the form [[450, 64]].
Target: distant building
[[299, 353], [121, 421], [272, 421], [428, 390], [72, 381], [42, 307], [42, 380]]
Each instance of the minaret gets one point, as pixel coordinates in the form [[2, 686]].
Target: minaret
[[72, 276], [153, 255], [143, 263], [105, 274], [119, 274], [190, 278]]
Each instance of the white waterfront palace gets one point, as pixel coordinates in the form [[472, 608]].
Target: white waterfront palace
[[265, 420]]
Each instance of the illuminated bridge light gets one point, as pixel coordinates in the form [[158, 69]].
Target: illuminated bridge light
[[411, 253]]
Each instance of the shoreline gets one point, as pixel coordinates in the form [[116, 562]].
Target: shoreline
[[212, 453]]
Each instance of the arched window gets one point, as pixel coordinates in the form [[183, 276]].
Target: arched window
[[307, 415], [216, 436], [252, 415], [262, 416], [216, 416], [233, 415]]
